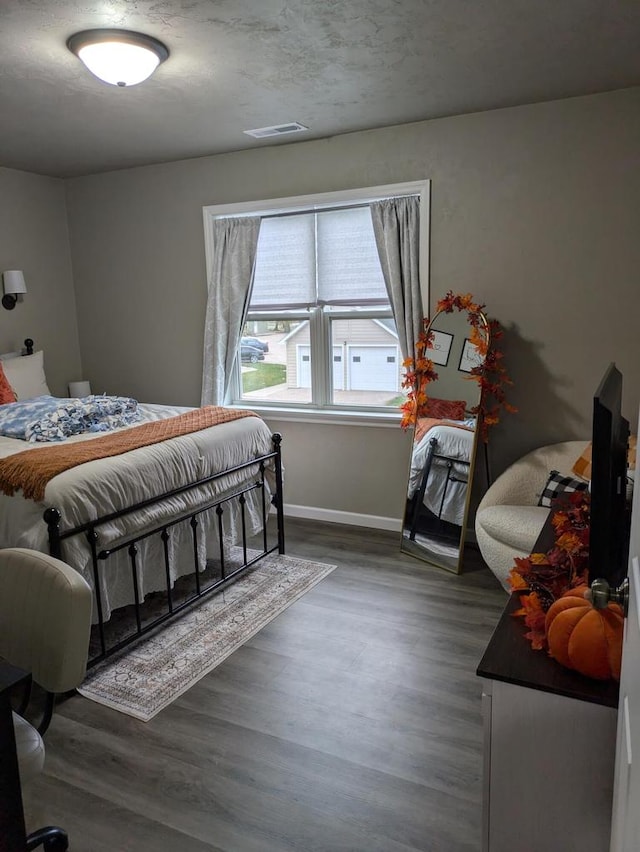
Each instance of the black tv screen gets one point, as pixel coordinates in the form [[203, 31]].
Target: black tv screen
[[609, 525]]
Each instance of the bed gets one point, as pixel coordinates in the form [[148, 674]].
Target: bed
[[439, 471], [193, 505]]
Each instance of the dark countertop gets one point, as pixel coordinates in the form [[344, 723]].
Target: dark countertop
[[510, 658]]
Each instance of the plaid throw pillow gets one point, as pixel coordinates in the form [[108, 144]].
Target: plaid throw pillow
[[557, 485]]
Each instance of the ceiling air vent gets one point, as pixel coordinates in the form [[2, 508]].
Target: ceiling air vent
[[276, 130]]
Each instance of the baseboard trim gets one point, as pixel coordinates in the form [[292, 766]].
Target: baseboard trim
[[336, 516], [355, 519]]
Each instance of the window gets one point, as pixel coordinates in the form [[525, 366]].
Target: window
[[319, 332]]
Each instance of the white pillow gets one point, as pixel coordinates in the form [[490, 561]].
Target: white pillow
[[26, 375]]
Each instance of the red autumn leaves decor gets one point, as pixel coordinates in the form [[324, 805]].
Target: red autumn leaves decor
[[554, 602], [418, 373], [542, 578], [491, 375]]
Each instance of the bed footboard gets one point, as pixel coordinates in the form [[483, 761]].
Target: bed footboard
[[250, 552], [450, 464]]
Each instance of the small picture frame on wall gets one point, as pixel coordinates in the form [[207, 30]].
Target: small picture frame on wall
[[440, 347], [469, 357]]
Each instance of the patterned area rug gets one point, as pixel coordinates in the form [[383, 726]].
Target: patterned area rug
[[144, 679]]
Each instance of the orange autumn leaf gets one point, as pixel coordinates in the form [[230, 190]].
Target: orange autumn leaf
[[535, 619], [537, 637], [531, 603], [516, 581], [569, 541], [520, 563]]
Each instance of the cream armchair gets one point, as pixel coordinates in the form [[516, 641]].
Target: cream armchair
[[45, 621], [508, 519]]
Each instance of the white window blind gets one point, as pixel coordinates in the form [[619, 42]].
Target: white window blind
[[322, 258]]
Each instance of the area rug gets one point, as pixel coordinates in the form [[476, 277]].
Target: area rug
[[145, 678]]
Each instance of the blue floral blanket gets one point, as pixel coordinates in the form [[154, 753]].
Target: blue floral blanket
[[50, 418]]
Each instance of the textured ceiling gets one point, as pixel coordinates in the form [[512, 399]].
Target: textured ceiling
[[333, 65]]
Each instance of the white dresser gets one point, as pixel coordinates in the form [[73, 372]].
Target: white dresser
[[549, 747]]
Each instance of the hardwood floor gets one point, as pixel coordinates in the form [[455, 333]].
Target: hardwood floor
[[351, 722]]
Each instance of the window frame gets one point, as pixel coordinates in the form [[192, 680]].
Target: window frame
[[320, 409]]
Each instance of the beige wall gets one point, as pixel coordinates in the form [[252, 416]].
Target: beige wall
[[34, 238], [534, 211]]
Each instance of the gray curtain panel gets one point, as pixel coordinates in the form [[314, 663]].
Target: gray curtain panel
[[234, 253], [396, 225]]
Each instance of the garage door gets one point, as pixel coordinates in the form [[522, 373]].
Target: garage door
[[304, 367], [373, 368]]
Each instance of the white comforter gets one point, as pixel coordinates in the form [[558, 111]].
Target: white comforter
[[98, 487], [455, 443]]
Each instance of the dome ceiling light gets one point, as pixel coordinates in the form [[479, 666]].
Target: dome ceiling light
[[118, 57]]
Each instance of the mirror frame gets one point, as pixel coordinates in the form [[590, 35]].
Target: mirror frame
[[477, 319]]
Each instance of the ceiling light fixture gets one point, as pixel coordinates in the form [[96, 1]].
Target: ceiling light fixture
[[118, 57]]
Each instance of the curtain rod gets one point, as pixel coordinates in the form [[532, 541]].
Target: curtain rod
[[306, 210]]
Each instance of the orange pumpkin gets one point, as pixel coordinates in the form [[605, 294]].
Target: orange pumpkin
[[583, 638]]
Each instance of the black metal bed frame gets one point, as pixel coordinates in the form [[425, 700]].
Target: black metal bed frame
[[450, 463], [90, 530]]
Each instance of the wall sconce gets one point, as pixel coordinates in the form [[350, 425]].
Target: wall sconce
[[13, 280], [118, 57]]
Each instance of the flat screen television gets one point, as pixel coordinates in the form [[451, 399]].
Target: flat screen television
[[610, 517]]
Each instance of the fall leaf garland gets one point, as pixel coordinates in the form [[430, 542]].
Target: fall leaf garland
[[491, 375], [542, 578], [419, 372]]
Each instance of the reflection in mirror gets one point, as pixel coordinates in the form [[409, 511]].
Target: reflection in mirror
[[444, 446]]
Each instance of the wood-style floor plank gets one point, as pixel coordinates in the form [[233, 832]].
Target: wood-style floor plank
[[350, 722]]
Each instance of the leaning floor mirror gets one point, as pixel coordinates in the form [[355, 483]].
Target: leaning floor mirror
[[445, 444]]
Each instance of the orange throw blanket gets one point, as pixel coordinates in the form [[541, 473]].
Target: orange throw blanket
[[425, 423], [31, 470]]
